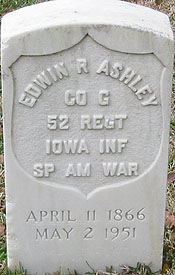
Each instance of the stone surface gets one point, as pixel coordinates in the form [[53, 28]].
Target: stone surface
[[86, 123]]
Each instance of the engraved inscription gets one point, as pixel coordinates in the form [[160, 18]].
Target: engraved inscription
[[60, 122], [120, 168], [91, 215], [46, 78], [104, 98], [88, 126], [129, 78], [78, 170], [82, 65], [43, 169], [69, 146], [112, 145], [62, 224], [51, 216], [117, 71], [89, 233], [56, 233], [115, 232], [72, 98], [98, 122], [129, 215]]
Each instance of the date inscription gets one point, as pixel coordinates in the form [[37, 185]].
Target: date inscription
[[109, 233], [119, 224]]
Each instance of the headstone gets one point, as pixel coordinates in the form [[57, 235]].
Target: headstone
[[87, 89]]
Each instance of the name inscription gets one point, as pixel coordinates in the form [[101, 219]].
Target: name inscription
[[118, 71]]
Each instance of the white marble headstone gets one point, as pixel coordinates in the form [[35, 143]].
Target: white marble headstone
[[86, 92]]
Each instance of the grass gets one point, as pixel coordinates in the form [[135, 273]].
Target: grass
[[141, 269], [10, 5], [168, 7]]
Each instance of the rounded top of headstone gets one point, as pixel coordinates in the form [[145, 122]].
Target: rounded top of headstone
[[87, 12], [54, 26]]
